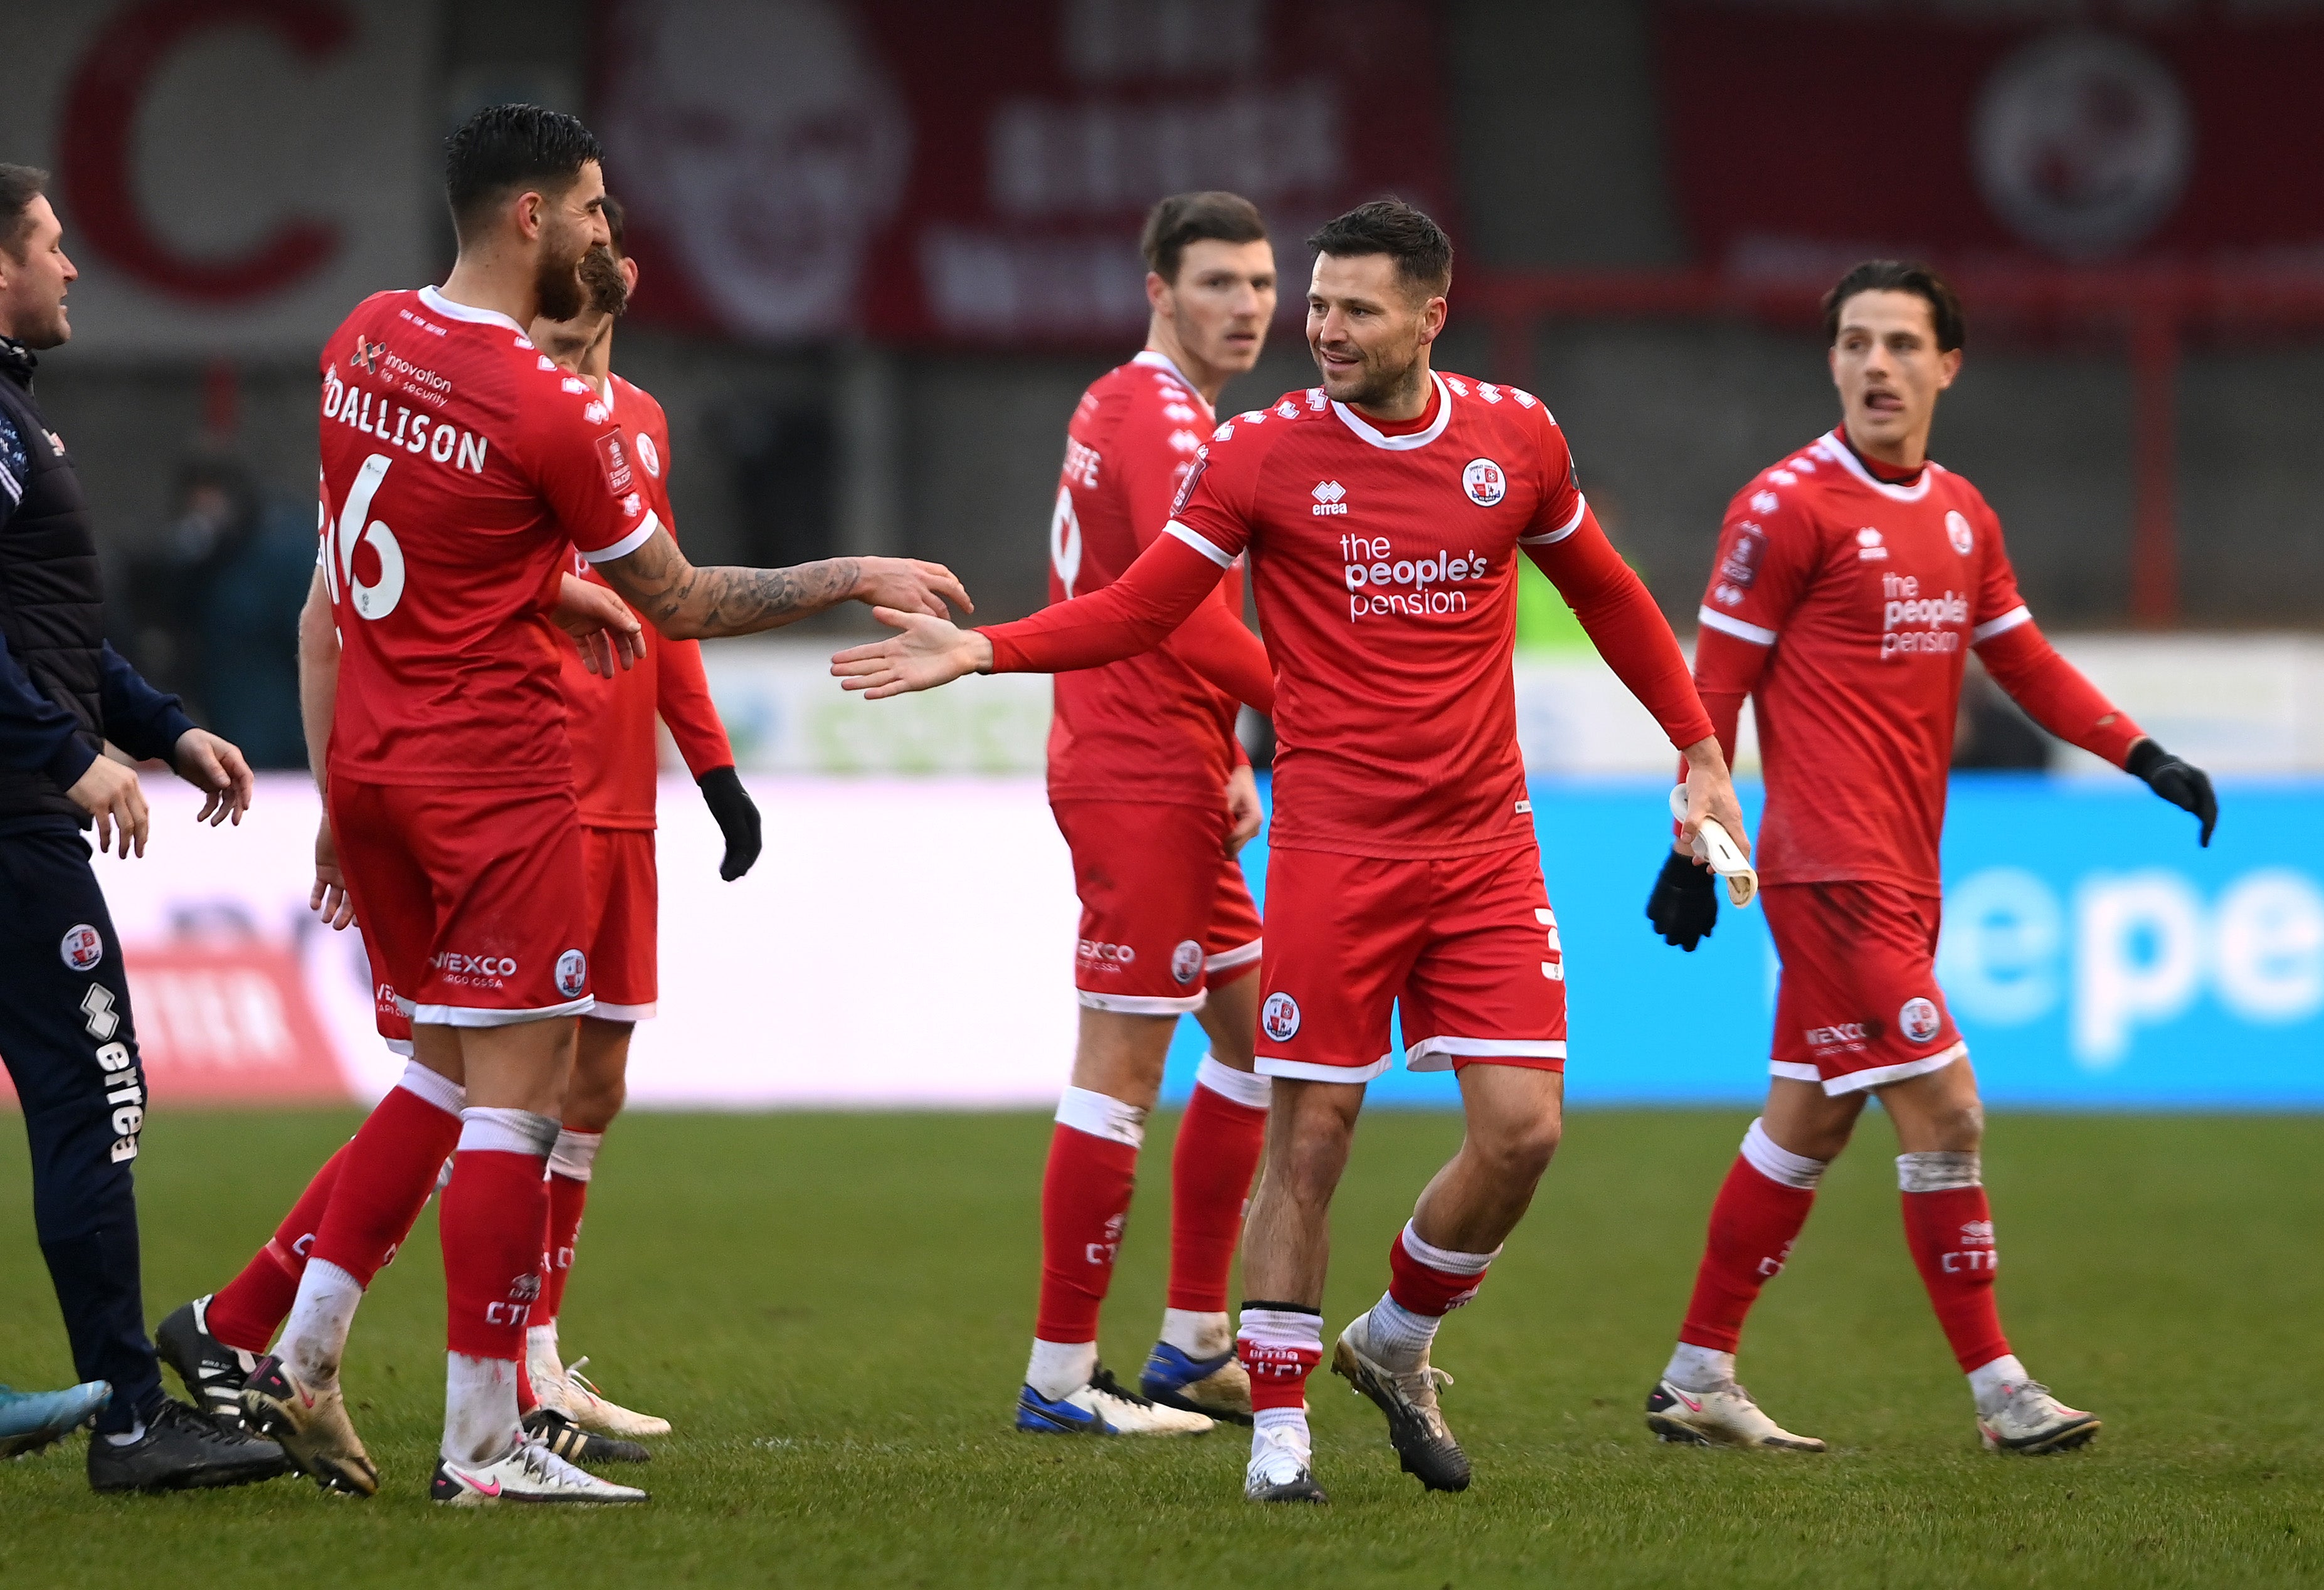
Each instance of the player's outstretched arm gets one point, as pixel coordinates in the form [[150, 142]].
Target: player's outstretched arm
[[925, 653], [689, 603]]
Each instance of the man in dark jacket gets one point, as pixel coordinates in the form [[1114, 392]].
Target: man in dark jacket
[[66, 1032]]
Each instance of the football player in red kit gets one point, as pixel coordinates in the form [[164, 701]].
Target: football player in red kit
[[1852, 581], [1153, 795], [214, 1341], [461, 469], [1384, 511]]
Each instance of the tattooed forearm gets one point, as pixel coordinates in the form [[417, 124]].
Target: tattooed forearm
[[689, 603]]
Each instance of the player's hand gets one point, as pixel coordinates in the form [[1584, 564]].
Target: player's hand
[[1242, 809], [601, 624], [2183, 784], [910, 585], [328, 899], [215, 767], [1710, 794], [110, 792], [1684, 905], [929, 652], [737, 816]]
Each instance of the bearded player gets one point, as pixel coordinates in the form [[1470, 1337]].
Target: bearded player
[[1154, 794], [1384, 511], [460, 472], [214, 1341], [1852, 581]]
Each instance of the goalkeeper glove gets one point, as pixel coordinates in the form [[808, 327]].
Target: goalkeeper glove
[[2183, 784], [738, 819], [1684, 904]]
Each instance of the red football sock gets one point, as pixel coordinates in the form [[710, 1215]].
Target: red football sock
[[1424, 1288], [525, 1401], [1219, 1142], [1950, 1234], [1279, 1345], [491, 1221], [1084, 1205], [1753, 1224], [385, 1176], [566, 1199], [250, 1309]]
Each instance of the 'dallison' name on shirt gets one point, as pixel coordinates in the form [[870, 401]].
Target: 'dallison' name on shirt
[[397, 426], [1414, 582]]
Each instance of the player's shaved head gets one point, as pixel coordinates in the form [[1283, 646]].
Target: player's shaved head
[[1422, 252], [505, 150]]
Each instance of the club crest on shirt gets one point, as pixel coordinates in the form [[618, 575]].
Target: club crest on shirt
[[83, 947], [648, 454], [1278, 1018], [1918, 1020], [1956, 531], [1484, 482]]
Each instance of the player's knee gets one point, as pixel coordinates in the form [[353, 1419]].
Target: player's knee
[[1308, 1152], [593, 1100], [1519, 1152]]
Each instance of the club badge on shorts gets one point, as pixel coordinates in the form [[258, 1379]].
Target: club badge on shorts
[[572, 973], [1278, 1018], [83, 948], [1918, 1020], [1186, 961]]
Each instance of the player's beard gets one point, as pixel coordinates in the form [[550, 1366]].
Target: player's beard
[[1380, 383], [556, 283], [601, 277]]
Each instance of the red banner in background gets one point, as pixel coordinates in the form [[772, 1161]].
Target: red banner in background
[[1804, 134], [797, 169]]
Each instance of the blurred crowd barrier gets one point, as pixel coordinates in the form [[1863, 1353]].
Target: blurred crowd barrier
[[909, 942], [2233, 704]]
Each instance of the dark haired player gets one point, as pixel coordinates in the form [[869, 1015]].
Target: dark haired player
[[1384, 510], [1153, 795], [214, 1341], [461, 469], [1851, 580]]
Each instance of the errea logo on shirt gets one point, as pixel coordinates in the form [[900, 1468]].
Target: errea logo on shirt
[[1330, 499]]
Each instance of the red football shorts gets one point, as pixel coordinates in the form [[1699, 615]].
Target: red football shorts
[[1166, 911], [390, 1010], [624, 914], [472, 900], [1858, 1005], [1466, 945]]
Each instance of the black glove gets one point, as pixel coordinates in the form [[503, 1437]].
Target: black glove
[[2183, 784], [738, 819], [1684, 904]]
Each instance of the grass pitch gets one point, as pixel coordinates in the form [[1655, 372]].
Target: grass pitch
[[832, 1310]]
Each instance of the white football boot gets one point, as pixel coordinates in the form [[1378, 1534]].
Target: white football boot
[[527, 1472], [1723, 1416], [568, 1392], [1278, 1472], [2029, 1420], [1104, 1407]]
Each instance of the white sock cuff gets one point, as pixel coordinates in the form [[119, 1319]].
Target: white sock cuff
[[1101, 1116], [441, 1092], [1780, 1165], [507, 1131], [321, 1278], [1938, 1171], [1445, 1258], [1282, 1327], [1248, 1089], [575, 1157]]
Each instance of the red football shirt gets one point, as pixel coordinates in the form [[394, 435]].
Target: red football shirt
[[612, 720], [1384, 567], [1869, 594], [1149, 727], [459, 463]]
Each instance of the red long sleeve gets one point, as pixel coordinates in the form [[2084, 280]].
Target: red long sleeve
[[682, 697], [1135, 614], [1626, 626], [2056, 695], [1217, 645]]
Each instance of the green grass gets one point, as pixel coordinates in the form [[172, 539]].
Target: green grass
[[832, 1310]]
